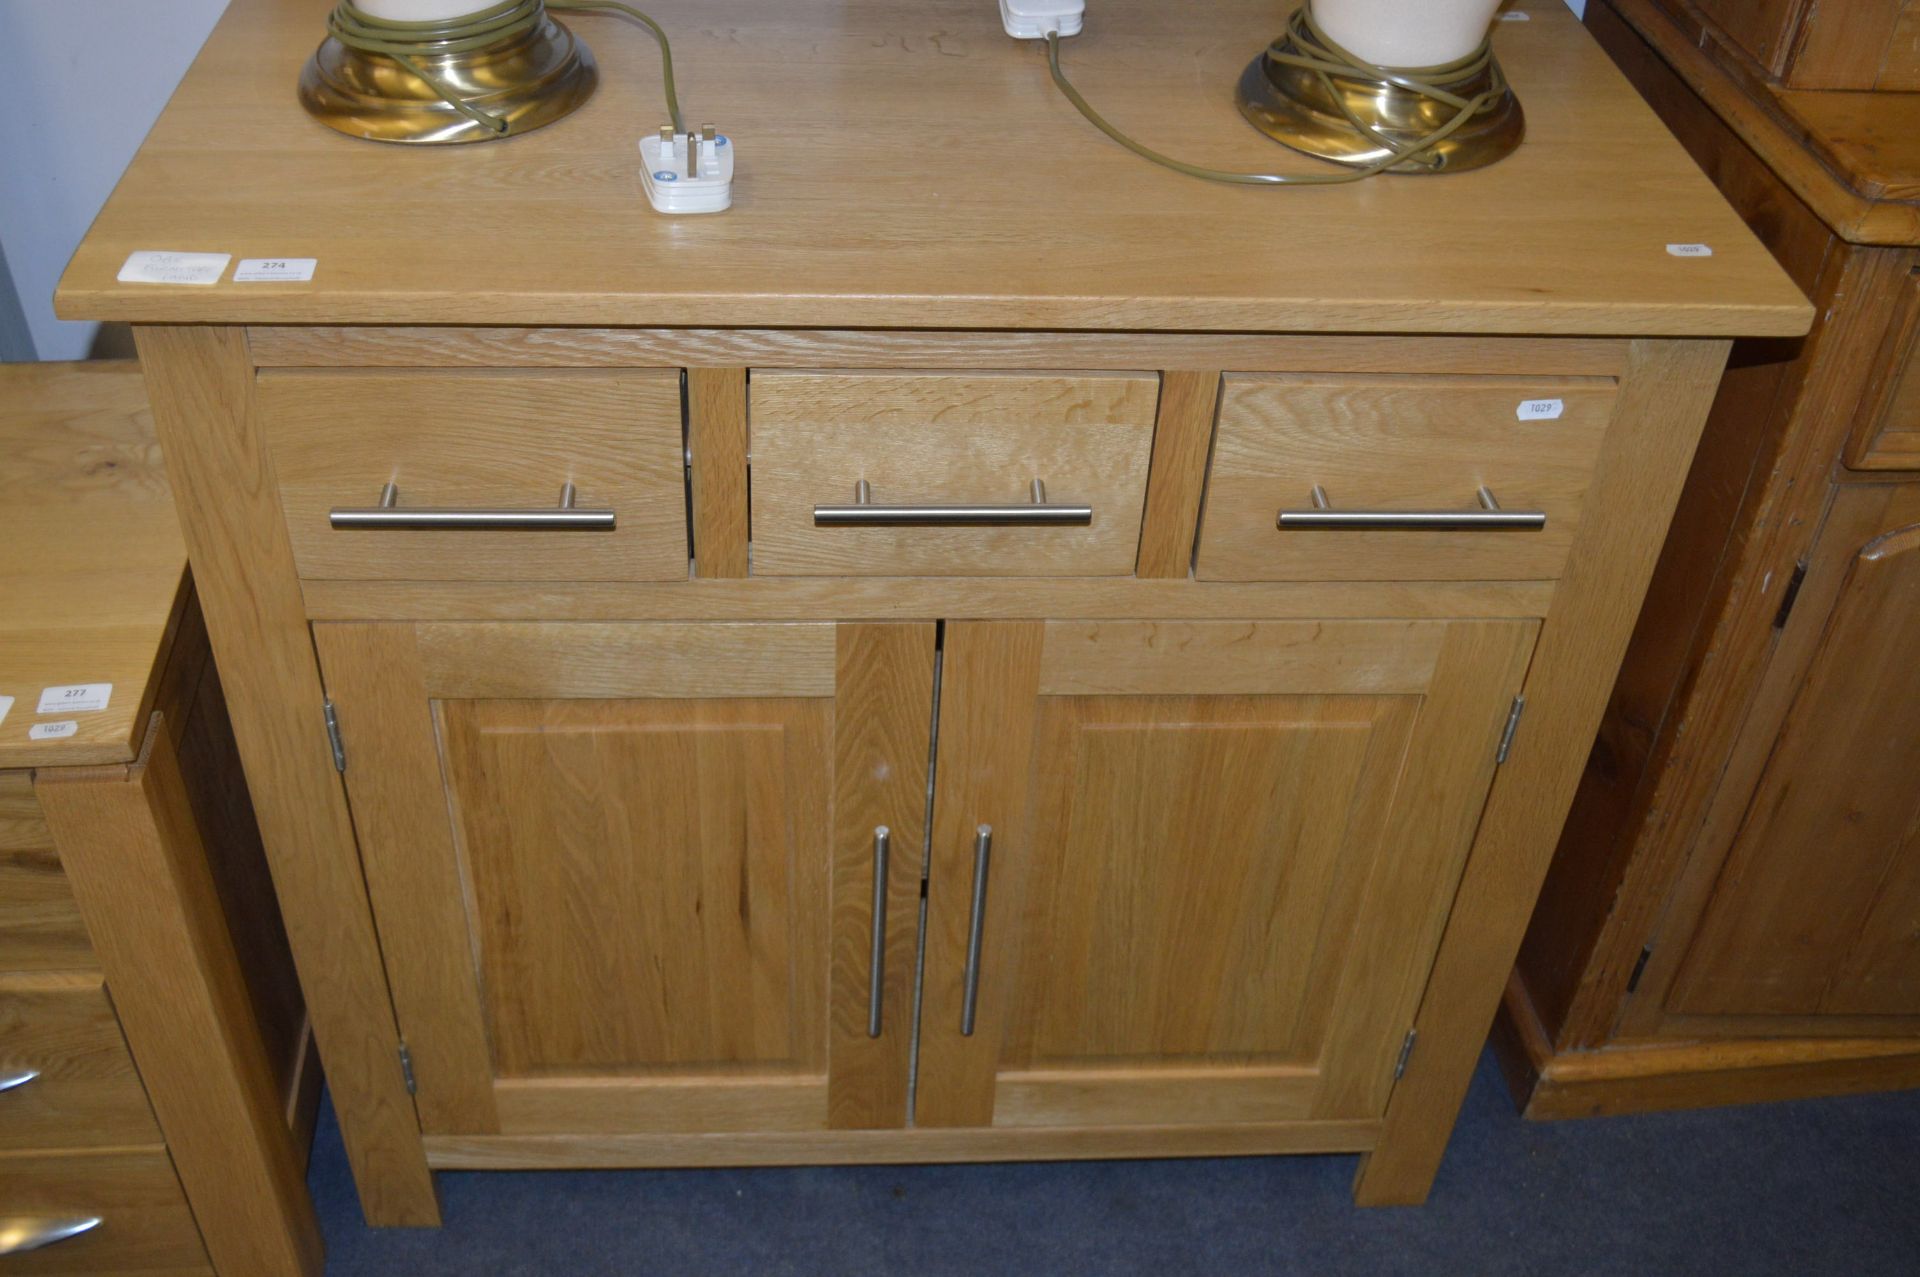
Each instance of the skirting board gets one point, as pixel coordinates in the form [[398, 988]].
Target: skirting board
[[1548, 1086], [922, 1144]]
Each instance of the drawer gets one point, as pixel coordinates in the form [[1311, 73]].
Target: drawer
[[1393, 447], [73, 1083], [40, 927], [922, 440], [145, 1226], [492, 442]]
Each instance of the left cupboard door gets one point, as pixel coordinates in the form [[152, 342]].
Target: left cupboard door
[[625, 875]]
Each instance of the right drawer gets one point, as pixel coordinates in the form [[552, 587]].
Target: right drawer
[[1382, 478]]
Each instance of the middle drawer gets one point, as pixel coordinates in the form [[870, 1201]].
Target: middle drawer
[[69, 1081], [920, 444]]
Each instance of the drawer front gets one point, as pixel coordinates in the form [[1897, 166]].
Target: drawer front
[[929, 440], [40, 927], [69, 1079], [480, 440], [145, 1225], [1393, 447]]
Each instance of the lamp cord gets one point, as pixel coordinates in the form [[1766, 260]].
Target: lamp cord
[[412, 44], [1328, 61]]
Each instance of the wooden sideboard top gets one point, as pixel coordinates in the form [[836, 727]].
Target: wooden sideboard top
[[903, 163], [92, 579]]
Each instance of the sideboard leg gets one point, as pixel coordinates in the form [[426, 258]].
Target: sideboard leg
[[201, 383], [1662, 407]]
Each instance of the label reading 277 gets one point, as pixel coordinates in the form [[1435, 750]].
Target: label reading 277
[[75, 698]]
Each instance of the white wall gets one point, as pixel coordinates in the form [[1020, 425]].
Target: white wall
[[81, 82]]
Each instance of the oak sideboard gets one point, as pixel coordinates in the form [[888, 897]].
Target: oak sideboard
[[709, 806]]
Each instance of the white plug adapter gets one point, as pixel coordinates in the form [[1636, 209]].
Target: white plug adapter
[[1033, 19], [688, 172]]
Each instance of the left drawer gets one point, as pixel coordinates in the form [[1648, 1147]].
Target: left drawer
[[472, 464], [68, 1079], [124, 1210]]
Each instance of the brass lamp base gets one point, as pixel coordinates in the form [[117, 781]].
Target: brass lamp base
[[1301, 109], [529, 80]]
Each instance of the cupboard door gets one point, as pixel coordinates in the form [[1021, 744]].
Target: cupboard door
[[1816, 911], [625, 874], [1219, 857]]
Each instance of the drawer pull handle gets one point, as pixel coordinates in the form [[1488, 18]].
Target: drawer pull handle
[[390, 515], [1488, 518], [1035, 514], [11, 1079], [877, 968], [22, 1233], [982, 855]]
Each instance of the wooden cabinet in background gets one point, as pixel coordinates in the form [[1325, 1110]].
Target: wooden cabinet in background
[[1734, 909]]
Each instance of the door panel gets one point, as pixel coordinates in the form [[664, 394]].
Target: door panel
[[1817, 908], [1214, 886], [610, 892]]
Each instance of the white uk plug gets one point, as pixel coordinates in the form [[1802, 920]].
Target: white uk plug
[[1033, 19], [689, 172]]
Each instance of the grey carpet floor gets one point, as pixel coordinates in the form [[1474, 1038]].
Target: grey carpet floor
[[1809, 1187]]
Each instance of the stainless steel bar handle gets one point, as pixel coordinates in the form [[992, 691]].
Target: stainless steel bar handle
[[1036, 513], [390, 515], [1488, 518], [877, 966], [12, 1078], [982, 856], [22, 1233]]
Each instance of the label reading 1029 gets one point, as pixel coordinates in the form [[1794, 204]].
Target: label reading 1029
[[1540, 409]]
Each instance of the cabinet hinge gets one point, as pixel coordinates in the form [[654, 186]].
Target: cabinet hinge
[[1791, 596], [1513, 725], [1406, 1053], [406, 1068], [333, 736], [1639, 969]]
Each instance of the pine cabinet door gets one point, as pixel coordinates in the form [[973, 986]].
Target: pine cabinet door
[[1212, 862], [1815, 913], [625, 875]]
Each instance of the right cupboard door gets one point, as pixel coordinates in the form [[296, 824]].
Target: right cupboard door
[[1195, 872]]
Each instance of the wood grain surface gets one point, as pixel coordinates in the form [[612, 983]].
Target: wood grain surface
[[965, 223]]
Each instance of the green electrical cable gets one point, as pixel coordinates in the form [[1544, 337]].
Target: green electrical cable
[[409, 42], [1328, 61]]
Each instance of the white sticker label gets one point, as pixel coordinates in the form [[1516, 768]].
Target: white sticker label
[[78, 698], [274, 270], [1540, 409], [1690, 250], [52, 731], [1516, 15], [174, 268], [6, 703]]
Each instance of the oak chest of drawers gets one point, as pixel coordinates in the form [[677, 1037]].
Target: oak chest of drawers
[[156, 1086], [703, 789]]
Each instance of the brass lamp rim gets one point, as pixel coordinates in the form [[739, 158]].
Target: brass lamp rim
[[527, 81], [1308, 111]]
